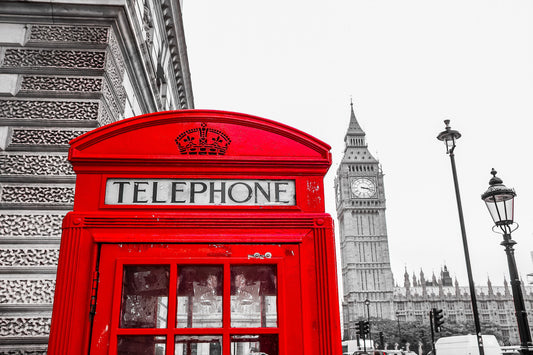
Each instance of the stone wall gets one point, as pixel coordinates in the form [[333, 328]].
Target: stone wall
[[65, 69], [65, 80]]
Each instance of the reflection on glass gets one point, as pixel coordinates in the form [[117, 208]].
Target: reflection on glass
[[141, 345], [144, 296], [253, 296], [198, 345], [265, 344], [199, 296]]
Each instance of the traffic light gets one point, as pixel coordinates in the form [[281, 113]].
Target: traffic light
[[437, 319], [358, 328], [366, 327]]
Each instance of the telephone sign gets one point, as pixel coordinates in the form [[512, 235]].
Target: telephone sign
[[199, 192], [197, 232]]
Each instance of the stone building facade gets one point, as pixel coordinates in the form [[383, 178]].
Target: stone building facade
[[67, 67], [366, 270], [417, 296]]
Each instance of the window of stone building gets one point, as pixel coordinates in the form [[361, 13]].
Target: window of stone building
[[501, 305], [503, 318], [483, 305]]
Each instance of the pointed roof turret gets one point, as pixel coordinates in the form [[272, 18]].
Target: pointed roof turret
[[489, 285], [406, 282], [445, 277], [506, 287], [356, 149], [354, 127], [423, 283]]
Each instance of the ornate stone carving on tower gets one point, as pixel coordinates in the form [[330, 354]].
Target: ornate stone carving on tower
[[360, 197]]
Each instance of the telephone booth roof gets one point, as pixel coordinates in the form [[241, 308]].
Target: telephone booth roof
[[165, 140]]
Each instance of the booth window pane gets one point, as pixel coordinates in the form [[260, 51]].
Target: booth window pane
[[199, 296], [141, 345], [144, 301], [198, 345], [254, 296], [254, 344]]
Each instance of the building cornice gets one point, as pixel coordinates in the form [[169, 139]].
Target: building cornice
[[114, 13]]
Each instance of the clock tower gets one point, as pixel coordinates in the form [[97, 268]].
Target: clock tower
[[360, 201]]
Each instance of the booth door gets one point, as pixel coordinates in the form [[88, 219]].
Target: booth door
[[196, 299]]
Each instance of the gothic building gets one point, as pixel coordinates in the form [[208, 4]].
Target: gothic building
[[67, 67], [366, 270], [360, 197], [416, 297]]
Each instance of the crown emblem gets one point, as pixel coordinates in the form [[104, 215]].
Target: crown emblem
[[203, 141]]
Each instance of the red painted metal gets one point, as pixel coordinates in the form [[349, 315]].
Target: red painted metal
[[99, 238]]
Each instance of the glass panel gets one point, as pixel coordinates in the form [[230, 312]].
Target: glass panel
[[144, 296], [198, 345], [254, 296], [199, 296], [141, 345], [266, 344]]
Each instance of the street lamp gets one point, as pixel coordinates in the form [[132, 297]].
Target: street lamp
[[367, 304], [399, 329], [450, 136], [500, 202]]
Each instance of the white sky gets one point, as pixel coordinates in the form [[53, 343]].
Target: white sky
[[408, 66]]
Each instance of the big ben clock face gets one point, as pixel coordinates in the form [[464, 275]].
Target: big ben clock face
[[363, 188]]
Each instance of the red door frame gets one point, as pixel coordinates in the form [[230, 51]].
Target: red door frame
[[151, 147], [110, 291]]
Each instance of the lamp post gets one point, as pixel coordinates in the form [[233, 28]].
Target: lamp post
[[500, 203], [367, 304], [449, 136], [399, 329]]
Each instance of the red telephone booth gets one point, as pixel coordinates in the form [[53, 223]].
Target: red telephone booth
[[197, 232]]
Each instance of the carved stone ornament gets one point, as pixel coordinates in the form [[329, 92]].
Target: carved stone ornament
[[28, 257], [203, 141], [52, 110], [61, 83], [43, 137], [37, 194], [15, 57], [30, 225], [42, 165], [27, 291], [24, 352], [24, 326], [45, 33]]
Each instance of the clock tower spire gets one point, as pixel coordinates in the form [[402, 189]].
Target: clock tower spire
[[360, 197], [355, 134]]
